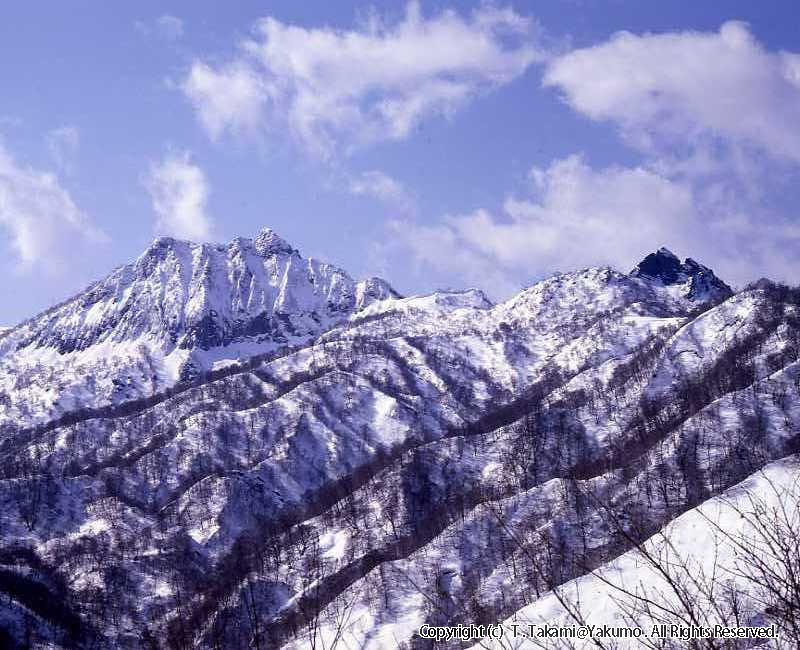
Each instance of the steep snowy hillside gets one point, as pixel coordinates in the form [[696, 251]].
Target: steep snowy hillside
[[381, 462], [690, 567]]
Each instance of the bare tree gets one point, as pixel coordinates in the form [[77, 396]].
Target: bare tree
[[750, 576]]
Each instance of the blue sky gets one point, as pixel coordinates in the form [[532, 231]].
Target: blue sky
[[436, 144]]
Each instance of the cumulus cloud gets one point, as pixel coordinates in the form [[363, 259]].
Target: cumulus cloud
[[179, 193], [62, 144], [341, 88], [379, 185], [577, 216], [681, 88], [45, 225]]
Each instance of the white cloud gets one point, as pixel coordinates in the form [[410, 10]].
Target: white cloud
[[179, 193], [232, 97], [579, 216], [62, 144], [46, 226], [334, 88], [682, 88], [384, 188]]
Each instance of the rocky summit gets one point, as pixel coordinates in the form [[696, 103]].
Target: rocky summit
[[697, 281]]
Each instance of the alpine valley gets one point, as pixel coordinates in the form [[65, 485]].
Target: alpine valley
[[232, 446]]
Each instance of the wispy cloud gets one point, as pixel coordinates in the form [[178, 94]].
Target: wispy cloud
[[170, 26], [229, 98], [62, 144], [167, 26], [179, 193], [382, 187], [337, 89], [45, 225]]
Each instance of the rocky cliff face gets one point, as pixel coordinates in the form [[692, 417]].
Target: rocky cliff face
[[362, 463], [693, 280]]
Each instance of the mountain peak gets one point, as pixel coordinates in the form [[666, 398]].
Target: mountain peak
[[665, 267], [186, 296], [268, 242]]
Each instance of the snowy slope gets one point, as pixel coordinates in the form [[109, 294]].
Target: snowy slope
[[703, 543], [376, 469]]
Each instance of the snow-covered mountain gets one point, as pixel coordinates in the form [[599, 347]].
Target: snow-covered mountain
[[231, 446], [178, 310]]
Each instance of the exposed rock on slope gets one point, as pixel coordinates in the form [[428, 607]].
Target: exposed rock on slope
[[695, 281]]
